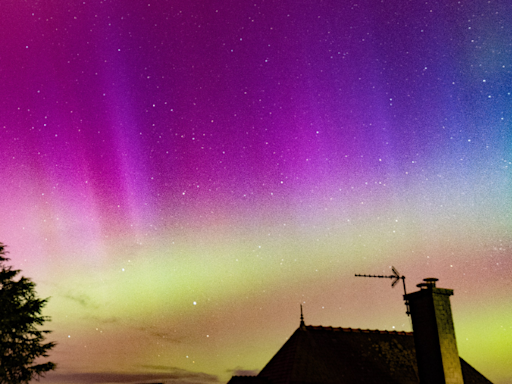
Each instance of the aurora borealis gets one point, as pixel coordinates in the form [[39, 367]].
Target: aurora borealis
[[178, 176]]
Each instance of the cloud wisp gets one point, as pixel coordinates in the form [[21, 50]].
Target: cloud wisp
[[167, 375]]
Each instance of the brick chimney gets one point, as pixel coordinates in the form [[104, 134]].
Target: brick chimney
[[434, 334]]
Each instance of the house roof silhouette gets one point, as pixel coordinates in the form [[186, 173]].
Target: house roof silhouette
[[316, 354], [327, 355]]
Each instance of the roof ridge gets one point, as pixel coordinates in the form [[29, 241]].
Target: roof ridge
[[355, 330]]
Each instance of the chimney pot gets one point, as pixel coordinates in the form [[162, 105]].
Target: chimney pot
[[430, 281]]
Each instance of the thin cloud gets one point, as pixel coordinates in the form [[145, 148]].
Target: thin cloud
[[103, 320], [170, 376], [239, 371], [166, 368], [81, 299], [161, 335]]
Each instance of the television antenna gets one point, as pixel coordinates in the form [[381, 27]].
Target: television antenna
[[396, 277]]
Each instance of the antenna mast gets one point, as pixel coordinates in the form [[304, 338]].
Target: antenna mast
[[396, 276]]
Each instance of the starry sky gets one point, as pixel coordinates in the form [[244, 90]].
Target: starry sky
[[179, 175]]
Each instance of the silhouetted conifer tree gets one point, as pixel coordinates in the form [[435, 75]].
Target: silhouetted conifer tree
[[21, 342]]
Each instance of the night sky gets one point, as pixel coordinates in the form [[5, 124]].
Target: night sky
[[179, 175]]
